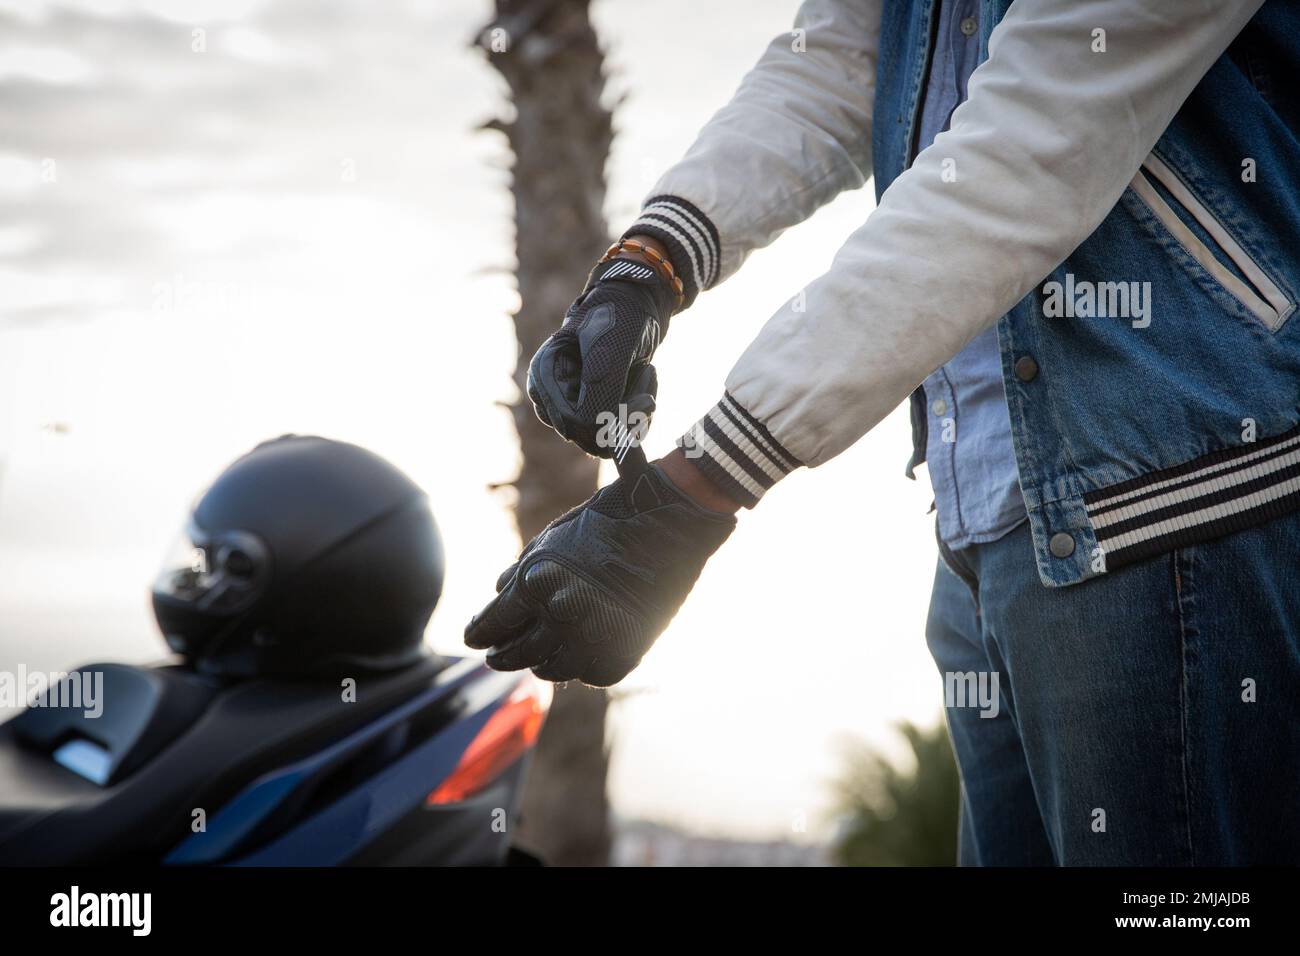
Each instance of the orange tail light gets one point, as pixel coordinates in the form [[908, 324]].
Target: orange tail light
[[504, 739]]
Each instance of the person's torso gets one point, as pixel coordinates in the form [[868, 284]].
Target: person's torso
[[1152, 379]]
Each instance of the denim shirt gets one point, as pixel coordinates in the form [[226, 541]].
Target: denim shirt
[[972, 462]]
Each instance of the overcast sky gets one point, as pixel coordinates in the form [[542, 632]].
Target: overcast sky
[[297, 229]]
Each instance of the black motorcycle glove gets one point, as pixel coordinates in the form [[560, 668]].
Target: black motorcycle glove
[[599, 359], [591, 593]]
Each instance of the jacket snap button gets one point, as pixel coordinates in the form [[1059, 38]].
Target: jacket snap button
[[968, 26], [939, 406], [1026, 368], [1061, 545]]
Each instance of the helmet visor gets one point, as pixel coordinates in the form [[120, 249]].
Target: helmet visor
[[220, 573]]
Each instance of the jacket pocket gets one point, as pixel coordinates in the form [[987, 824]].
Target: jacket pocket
[[1247, 282]]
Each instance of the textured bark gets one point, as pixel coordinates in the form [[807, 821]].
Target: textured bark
[[560, 136]]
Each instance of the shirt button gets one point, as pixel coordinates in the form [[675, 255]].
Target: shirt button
[[968, 26], [1061, 545], [1026, 368], [939, 406]]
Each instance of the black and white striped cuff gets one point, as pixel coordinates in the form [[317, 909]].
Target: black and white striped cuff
[[1206, 498], [690, 237], [734, 451]]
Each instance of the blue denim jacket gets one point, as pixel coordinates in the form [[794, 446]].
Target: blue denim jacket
[[1175, 422]]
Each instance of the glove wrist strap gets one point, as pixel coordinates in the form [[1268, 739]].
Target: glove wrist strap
[[635, 251]]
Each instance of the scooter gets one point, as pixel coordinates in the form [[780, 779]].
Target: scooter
[[423, 766], [171, 764]]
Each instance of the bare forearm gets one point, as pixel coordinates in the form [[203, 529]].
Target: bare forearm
[[695, 485]]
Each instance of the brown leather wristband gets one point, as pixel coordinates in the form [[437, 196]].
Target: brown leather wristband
[[652, 253]]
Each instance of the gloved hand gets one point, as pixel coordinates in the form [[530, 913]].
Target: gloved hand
[[591, 593], [599, 358]]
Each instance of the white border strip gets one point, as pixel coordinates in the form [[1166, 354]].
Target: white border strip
[[1274, 308]]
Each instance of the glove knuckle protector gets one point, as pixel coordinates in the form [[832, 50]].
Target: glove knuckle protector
[[605, 580]]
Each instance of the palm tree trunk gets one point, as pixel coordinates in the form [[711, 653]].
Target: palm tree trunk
[[560, 136]]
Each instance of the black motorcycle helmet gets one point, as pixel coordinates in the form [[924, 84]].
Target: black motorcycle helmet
[[306, 556]]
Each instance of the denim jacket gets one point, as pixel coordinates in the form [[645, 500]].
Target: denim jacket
[[1119, 194]]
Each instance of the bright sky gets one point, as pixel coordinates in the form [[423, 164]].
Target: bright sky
[[299, 230]]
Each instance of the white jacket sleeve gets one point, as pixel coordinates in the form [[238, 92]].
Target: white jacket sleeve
[[796, 133], [1047, 141]]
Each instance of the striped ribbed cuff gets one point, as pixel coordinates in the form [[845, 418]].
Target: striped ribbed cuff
[[690, 237], [735, 452]]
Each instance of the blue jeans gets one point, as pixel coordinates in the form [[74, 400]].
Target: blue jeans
[[1147, 717]]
